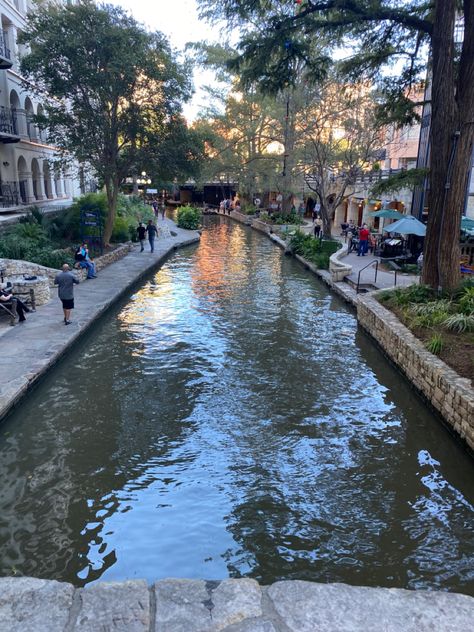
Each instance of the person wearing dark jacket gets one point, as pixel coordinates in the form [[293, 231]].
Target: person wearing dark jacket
[[141, 230], [152, 232]]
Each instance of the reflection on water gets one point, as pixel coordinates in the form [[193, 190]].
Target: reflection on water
[[230, 419]]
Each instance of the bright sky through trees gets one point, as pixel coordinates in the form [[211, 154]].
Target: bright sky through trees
[[178, 20]]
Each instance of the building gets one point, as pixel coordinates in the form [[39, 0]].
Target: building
[[30, 173]]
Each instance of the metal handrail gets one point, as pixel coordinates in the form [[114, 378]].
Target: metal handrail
[[395, 281], [371, 263]]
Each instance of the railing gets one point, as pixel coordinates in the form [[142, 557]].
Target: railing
[[395, 278], [10, 194], [8, 121], [376, 263]]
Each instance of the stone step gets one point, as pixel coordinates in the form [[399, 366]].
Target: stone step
[[232, 605]]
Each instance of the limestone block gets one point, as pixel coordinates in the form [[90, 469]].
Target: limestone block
[[199, 606], [307, 607], [111, 606], [35, 605], [252, 625]]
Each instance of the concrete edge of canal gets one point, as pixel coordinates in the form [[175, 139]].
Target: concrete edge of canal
[[36, 346], [449, 395], [231, 605]]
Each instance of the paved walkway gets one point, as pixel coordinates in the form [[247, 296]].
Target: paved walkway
[[384, 280], [32, 347], [233, 605]]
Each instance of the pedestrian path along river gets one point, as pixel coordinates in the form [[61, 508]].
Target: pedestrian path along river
[[229, 419]]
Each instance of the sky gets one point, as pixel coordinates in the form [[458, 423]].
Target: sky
[[178, 20]]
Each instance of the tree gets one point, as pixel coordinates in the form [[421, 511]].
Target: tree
[[338, 141], [379, 34], [116, 89]]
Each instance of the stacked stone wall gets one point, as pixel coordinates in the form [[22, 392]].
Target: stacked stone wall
[[16, 267], [451, 395], [232, 605]]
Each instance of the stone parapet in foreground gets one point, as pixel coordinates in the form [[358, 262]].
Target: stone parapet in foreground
[[232, 605]]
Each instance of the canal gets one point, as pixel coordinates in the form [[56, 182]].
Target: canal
[[231, 419]]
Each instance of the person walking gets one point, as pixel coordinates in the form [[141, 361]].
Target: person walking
[[163, 209], [364, 233], [65, 281], [318, 224], [141, 230], [152, 232]]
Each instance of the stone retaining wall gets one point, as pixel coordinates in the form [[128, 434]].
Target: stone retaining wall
[[451, 395], [16, 267], [338, 269], [232, 605]]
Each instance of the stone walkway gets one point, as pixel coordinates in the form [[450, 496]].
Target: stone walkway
[[233, 605], [36, 345], [384, 280]]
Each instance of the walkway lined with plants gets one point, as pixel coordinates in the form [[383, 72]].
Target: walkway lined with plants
[[37, 344]]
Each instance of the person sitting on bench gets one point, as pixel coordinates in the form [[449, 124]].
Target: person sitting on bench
[[6, 296]]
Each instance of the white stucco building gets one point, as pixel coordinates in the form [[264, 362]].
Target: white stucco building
[[29, 173]]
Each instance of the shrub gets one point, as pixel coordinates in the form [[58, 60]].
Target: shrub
[[121, 230], [466, 300], [460, 322], [31, 231], [435, 344], [189, 217], [53, 258]]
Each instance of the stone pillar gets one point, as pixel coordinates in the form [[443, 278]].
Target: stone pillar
[[40, 193], [21, 123], [49, 186], [67, 185], [27, 178], [59, 186]]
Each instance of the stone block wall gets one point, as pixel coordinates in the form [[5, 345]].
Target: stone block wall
[[231, 605], [15, 267], [450, 394], [338, 268]]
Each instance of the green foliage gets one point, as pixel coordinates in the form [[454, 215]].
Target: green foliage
[[460, 322], [189, 217], [403, 180], [311, 249], [466, 300], [30, 231], [290, 218], [115, 106], [435, 344]]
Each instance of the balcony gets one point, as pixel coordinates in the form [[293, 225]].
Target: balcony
[[5, 54], [8, 126], [10, 194]]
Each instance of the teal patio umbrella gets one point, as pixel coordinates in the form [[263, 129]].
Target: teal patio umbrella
[[408, 225], [467, 223], [389, 213]]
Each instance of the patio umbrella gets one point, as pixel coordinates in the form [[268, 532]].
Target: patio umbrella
[[390, 213], [409, 225], [467, 223]]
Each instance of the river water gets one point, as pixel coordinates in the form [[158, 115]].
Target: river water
[[230, 419]]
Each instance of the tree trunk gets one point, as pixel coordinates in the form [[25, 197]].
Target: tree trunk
[[325, 213], [452, 135], [112, 190], [289, 159]]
